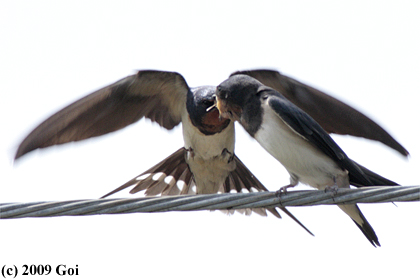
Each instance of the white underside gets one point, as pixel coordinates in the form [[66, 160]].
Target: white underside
[[296, 154], [304, 162], [206, 161]]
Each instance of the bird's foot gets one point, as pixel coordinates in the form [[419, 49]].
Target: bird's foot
[[190, 153], [226, 153], [283, 190], [333, 189]]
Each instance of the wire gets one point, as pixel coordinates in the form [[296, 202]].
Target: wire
[[208, 202]]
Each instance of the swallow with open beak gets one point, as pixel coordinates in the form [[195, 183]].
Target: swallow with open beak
[[207, 159], [296, 140]]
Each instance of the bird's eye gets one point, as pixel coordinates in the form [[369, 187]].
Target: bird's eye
[[220, 93], [262, 94], [208, 103]]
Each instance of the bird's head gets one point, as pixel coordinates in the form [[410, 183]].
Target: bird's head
[[235, 94], [202, 110]]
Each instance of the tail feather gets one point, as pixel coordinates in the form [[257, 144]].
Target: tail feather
[[250, 181], [175, 167], [171, 165], [353, 211], [374, 178]]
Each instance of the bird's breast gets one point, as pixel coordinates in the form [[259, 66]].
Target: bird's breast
[[295, 153], [207, 146], [209, 156]]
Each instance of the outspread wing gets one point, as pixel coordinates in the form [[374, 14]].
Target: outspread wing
[[157, 95], [333, 115]]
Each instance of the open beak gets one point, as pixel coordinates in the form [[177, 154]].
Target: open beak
[[223, 109], [211, 107]]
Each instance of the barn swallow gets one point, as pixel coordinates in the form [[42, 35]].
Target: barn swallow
[[207, 159], [296, 140]]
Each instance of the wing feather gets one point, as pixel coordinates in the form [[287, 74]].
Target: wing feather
[[157, 95], [333, 115]]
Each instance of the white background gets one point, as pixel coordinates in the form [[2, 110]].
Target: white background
[[53, 52]]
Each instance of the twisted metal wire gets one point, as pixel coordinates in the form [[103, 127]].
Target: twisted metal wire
[[208, 202]]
